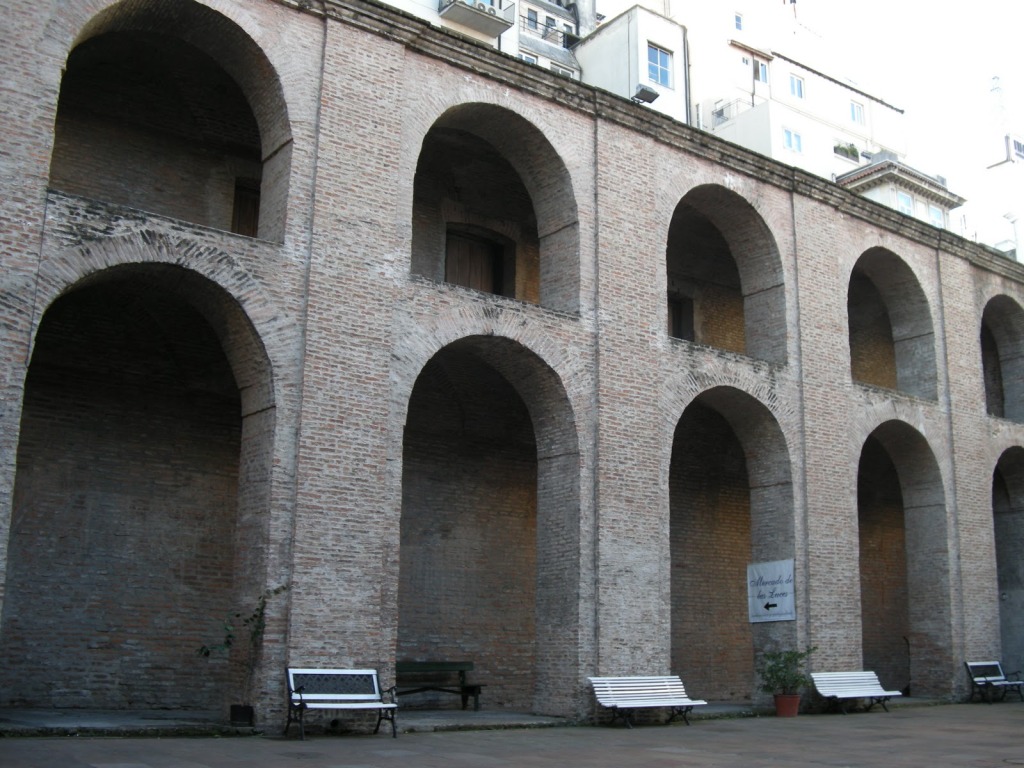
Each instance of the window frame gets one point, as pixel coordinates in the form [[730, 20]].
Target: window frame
[[856, 112], [900, 196], [532, 19], [661, 66], [796, 86], [760, 71], [792, 140]]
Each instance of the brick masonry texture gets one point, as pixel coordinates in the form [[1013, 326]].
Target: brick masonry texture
[[545, 482]]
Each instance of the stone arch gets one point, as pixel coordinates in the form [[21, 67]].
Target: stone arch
[[725, 280], [161, 393], [490, 530], [1008, 531], [891, 333], [488, 175], [181, 113], [905, 572], [1002, 358], [731, 503]]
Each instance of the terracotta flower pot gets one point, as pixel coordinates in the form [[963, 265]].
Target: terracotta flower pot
[[787, 704]]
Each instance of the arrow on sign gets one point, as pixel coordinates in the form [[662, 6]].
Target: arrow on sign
[[769, 606]]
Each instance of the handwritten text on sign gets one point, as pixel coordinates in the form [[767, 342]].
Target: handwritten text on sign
[[771, 591]]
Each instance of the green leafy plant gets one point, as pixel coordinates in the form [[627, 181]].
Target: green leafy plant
[[783, 671], [252, 625], [847, 150]]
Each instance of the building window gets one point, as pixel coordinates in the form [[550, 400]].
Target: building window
[[1018, 148], [936, 216], [680, 317], [531, 18], [528, 58], [792, 140], [796, 86], [760, 71], [739, 20], [562, 71], [904, 203], [659, 65], [475, 262], [245, 216], [857, 112]]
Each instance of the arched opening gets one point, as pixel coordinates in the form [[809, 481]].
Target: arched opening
[[171, 108], [731, 504], [1002, 358], [904, 564], [494, 210], [1008, 523], [725, 281], [135, 532], [489, 568], [892, 341]]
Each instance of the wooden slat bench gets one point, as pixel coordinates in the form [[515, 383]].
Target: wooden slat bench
[[838, 687], [623, 695], [341, 689], [444, 676], [989, 683]]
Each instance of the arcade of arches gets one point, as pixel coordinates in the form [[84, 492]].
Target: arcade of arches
[[487, 417]]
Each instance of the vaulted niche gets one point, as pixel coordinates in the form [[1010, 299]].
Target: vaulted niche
[[494, 211], [170, 108], [140, 500], [731, 504], [892, 341], [724, 276], [1002, 358], [490, 534], [904, 562], [1008, 531]]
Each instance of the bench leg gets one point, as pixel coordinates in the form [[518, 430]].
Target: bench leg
[[296, 718], [474, 691], [684, 711], [387, 714], [623, 713]]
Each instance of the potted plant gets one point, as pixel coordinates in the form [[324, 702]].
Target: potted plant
[[253, 624], [783, 675]]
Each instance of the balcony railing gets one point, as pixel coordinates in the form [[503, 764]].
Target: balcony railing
[[489, 17], [552, 34], [726, 112]]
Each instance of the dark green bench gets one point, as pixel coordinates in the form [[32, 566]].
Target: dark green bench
[[444, 676]]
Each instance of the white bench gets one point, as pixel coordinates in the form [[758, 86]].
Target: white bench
[[341, 689], [989, 682], [839, 686], [623, 695]]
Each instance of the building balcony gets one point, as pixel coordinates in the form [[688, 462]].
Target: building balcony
[[488, 17]]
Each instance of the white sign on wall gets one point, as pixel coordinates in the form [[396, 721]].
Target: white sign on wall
[[771, 591]]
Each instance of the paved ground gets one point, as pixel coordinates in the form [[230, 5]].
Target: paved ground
[[969, 735]]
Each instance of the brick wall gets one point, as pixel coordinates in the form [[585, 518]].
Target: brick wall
[[346, 480], [712, 648], [469, 518], [123, 546], [883, 568]]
